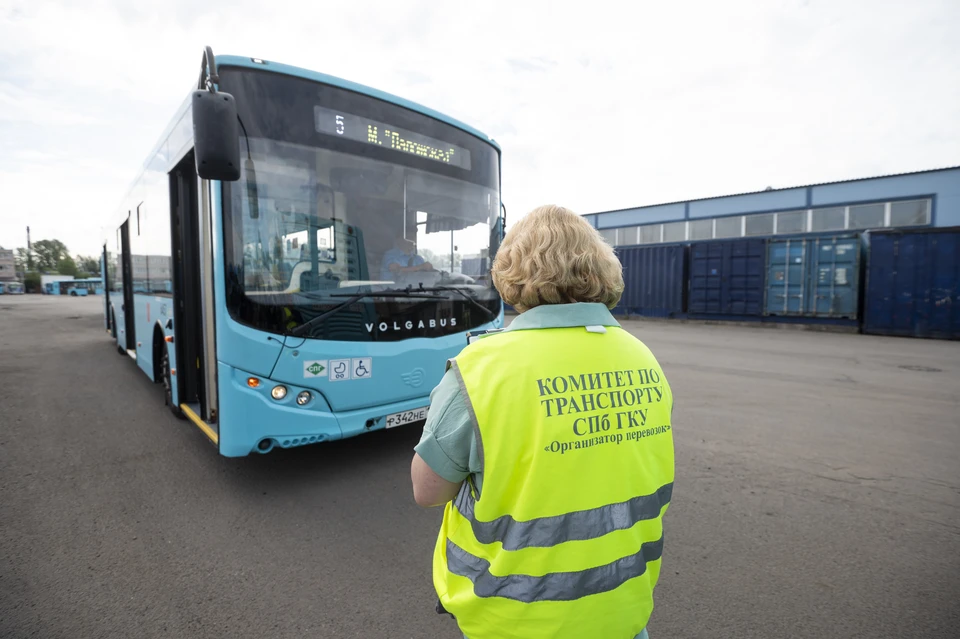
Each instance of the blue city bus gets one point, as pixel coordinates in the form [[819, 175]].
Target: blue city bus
[[11, 288], [88, 286], [75, 288], [65, 287], [289, 262]]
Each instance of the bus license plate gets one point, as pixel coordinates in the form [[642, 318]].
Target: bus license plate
[[407, 417]]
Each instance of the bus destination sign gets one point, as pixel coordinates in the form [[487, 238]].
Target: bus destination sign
[[354, 127]]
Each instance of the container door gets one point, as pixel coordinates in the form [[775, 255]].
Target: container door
[[786, 277], [908, 261], [744, 291], [705, 277], [944, 292], [878, 305], [832, 289], [653, 279]]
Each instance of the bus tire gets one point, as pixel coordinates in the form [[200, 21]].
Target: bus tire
[[168, 384]]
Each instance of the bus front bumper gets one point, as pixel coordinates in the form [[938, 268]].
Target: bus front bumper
[[252, 421]]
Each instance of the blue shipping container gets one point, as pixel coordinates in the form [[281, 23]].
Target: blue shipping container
[[654, 279], [913, 284], [814, 277], [727, 278]]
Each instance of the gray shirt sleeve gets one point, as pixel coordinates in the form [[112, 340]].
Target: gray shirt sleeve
[[448, 444]]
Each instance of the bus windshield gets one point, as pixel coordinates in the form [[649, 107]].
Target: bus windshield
[[343, 197]]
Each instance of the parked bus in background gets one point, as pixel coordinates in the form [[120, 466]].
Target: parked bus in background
[[61, 287], [90, 286], [74, 288], [313, 288], [11, 288]]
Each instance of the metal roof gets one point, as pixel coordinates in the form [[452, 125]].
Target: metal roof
[[771, 190]]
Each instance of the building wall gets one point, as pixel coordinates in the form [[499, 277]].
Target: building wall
[[752, 203], [8, 268], [942, 186], [855, 205], [662, 213]]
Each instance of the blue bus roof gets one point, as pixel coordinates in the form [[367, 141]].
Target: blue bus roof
[[276, 67]]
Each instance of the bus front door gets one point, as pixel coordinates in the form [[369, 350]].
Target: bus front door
[[188, 311], [106, 286], [129, 318]]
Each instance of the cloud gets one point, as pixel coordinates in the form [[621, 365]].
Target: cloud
[[19, 105], [600, 106]]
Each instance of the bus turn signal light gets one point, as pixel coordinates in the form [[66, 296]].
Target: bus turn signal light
[[169, 339], [253, 382]]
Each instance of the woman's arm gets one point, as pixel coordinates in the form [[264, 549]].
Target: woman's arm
[[429, 488]]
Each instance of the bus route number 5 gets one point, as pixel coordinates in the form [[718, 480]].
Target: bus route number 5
[[339, 125]]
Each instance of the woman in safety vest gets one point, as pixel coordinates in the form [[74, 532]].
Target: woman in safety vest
[[550, 446]]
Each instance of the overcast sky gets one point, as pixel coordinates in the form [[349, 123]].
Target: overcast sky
[[597, 105]]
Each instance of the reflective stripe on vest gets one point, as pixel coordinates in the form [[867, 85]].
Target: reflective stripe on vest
[[555, 586], [564, 538], [551, 531]]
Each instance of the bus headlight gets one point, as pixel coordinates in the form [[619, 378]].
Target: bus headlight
[[303, 397], [278, 392]]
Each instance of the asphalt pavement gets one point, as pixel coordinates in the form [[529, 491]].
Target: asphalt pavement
[[817, 495]]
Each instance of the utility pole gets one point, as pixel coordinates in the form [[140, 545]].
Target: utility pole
[[29, 251]]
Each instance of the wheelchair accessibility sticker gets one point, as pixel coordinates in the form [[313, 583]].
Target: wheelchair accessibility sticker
[[362, 367]]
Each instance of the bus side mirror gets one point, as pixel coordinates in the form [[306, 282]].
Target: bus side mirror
[[216, 136]]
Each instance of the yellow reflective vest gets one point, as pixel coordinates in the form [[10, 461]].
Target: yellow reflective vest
[[564, 539]]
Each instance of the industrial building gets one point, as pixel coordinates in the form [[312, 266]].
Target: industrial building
[[908, 200], [803, 254], [8, 270]]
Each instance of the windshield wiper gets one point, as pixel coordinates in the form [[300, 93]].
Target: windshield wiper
[[463, 293], [397, 292]]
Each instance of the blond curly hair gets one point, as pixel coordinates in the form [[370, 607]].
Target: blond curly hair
[[554, 256]]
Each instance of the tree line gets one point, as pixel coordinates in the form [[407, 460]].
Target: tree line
[[52, 256]]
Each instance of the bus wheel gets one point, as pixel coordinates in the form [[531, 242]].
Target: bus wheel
[[168, 384]]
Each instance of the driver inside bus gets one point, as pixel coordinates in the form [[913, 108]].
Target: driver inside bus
[[402, 258]]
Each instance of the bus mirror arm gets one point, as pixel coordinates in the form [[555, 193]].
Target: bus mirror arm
[[209, 77]]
